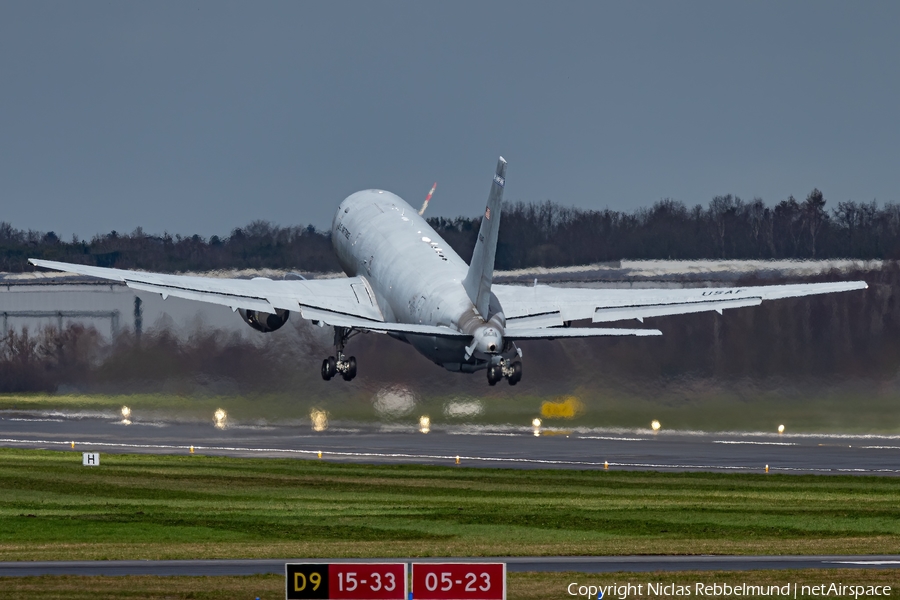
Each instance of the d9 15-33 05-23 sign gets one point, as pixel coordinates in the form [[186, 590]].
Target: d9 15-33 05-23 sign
[[345, 581]]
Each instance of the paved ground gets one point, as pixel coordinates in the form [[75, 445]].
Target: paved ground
[[486, 446], [582, 564], [482, 446]]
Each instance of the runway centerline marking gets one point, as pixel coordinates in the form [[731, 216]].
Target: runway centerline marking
[[486, 434], [755, 443], [862, 562], [616, 439]]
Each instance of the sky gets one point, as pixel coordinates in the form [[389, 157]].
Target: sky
[[199, 117]]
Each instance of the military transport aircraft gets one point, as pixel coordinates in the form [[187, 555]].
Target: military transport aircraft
[[403, 280]]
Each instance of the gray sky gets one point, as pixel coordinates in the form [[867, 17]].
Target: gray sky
[[196, 117]]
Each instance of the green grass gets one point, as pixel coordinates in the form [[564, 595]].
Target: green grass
[[149, 506], [520, 586], [862, 408]]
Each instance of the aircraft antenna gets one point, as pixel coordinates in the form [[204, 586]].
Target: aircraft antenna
[[427, 198]]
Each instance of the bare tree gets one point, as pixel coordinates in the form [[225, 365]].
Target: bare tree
[[814, 215]]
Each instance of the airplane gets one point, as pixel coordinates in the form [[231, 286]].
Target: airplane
[[403, 280]]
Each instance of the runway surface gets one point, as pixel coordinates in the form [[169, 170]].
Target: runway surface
[[482, 446], [581, 564]]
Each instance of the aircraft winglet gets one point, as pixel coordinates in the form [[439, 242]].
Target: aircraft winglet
[[481, 270]]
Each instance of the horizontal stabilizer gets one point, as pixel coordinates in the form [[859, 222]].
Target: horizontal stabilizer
[[551, 333]]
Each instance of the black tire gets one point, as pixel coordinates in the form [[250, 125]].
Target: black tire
[[516, 374], [350, 373], [494, 374], [329, 368]]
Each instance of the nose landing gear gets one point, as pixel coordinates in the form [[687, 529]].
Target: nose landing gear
[[512, 371], [344, 365]]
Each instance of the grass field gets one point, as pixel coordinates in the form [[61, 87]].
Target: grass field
[[520, 586], [860, 409], [156, 507]]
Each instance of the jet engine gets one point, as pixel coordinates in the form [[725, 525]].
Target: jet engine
[[265, 322]]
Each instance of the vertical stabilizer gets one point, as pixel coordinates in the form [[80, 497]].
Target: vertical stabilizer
[[427, 200], [481, 269]]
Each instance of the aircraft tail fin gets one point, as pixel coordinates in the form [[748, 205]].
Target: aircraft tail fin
[[427, 200], [481, 270]]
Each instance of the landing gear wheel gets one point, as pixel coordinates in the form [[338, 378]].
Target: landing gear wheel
[[329, 368], [516, 374], [350, 373], [494, 374]]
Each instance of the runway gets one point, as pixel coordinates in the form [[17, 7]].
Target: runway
[[542, 564], [468, 446]]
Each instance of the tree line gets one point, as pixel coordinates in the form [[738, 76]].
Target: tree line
[[820, 341], [258, 245], [549, 235], [543, 234]]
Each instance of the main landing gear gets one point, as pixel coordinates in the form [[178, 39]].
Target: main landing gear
[[343, 365], [505, 368]]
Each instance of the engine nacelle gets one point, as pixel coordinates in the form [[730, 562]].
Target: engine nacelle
[[265, 322]]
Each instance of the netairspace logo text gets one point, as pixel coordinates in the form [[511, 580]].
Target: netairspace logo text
[[724, 590]]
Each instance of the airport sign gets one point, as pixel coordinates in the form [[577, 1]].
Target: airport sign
[[345, 581], [459, 581]]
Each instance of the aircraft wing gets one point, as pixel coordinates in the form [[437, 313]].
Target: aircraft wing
[[346, 298], [544, 306], [342, 302]]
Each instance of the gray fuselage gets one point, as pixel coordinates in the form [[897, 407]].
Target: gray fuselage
[[415, 275]]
